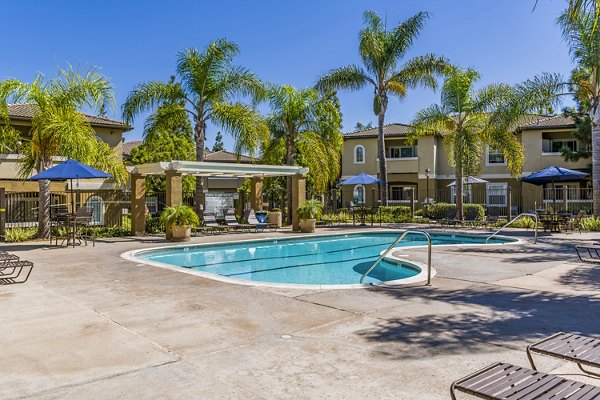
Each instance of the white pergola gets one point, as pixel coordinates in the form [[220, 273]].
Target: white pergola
[[175, 170]]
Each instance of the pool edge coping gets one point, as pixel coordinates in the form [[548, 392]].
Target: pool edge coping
[[420, 277]]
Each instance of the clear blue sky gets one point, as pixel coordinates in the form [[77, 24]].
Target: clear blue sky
[[281, 41]]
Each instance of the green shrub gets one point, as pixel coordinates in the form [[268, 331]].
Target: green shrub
[[591, 223], [179, 215], [445, 210], [105, 231], [18, 234], [523, 222], [419, 213], [310, 209], [394, 214], [154, 225]]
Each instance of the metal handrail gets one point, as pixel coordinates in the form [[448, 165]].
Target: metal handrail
[[513, 220], [385, 253]]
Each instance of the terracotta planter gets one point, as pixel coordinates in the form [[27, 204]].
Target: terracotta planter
[[181, 233], [307, 225], [275, 218]]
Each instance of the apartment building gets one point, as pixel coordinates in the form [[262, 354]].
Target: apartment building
[[420, 171]]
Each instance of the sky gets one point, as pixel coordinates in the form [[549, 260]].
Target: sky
[[284, 42]]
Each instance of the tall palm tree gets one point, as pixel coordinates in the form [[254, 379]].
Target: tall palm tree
[[468, 119], [58, 129], [584, 42], [579, 7], [305, 130], [381, 51], [206, 82]]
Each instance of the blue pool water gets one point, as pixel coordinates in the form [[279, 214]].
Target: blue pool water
[[322, 260]]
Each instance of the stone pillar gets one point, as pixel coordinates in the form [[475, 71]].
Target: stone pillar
[[256, 191], [138, 204], [298, 196], [174, 188]]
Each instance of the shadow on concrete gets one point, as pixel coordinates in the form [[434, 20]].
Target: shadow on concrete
[[498, 316], [584, 277], [547, 250]]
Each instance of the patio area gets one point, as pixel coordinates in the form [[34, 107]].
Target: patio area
[[89, 324]]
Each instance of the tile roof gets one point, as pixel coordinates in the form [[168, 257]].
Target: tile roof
[[25, 111], [128, 146], [226, 156], [389, 130], [533, 121]]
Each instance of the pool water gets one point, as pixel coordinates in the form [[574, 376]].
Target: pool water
[[318, 260]]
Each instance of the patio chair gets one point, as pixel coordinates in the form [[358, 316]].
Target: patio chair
[[12, 272], [577, 221], [450, 219], [83, 219], [588, 253], [251, 218], [232, 222], [581, 350], [472, 219], [7, 257], [210, 221], [501, 381]]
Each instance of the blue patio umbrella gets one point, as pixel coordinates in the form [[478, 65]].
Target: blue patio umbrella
[[554, 174], [361, 179], [69, 170]]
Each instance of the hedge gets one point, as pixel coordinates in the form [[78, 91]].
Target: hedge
[[448, 210]]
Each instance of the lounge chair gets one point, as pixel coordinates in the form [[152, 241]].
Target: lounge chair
[[232, 222], [472, 219], [12, 272], [588, 253], [501, 381], [581, 350], [210, 220], [259, 225], [7, 257]]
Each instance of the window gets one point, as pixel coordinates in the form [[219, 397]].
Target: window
[[97, 206], [495, 156], [152, 204], [402, 152], [496, 194], [466, 193], [556, 145], [359, 154], [359, 194], [396, 193]]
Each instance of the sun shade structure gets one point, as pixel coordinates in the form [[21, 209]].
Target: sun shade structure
[[469, 180], [361, 179], [174, 170]]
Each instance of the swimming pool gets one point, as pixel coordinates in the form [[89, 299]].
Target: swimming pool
[[338, 259]]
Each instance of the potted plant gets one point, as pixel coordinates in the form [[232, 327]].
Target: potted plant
[[178, 221], [275, 217], [308, 212]]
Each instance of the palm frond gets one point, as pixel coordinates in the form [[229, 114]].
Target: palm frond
[[249, 130], [421, 72], [351, 77], [148, 96]]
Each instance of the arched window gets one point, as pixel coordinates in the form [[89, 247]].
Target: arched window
[[359, 194], [97, 206], [359, 154]]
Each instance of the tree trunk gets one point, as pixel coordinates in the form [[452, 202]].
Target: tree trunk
[[44, 204], [200, 133], [381, 155], [459, 191], [595, 117]]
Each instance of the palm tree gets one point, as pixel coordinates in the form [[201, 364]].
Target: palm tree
[[206, 83], [579, 7], [584, 42], [468, 119], [58, 129], [305, 130], [381, 51]]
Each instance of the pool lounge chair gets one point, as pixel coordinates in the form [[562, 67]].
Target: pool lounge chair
[[582, 350], [501, 381], [12, 272], [260, 225], [588, 253], [232, 222], [211, 225]]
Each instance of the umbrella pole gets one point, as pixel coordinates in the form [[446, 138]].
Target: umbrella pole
[[553, 198]]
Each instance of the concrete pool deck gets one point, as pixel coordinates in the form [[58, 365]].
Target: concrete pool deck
[[89, 324]]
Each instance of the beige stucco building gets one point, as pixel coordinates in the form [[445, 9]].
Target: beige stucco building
[[408, 166]]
